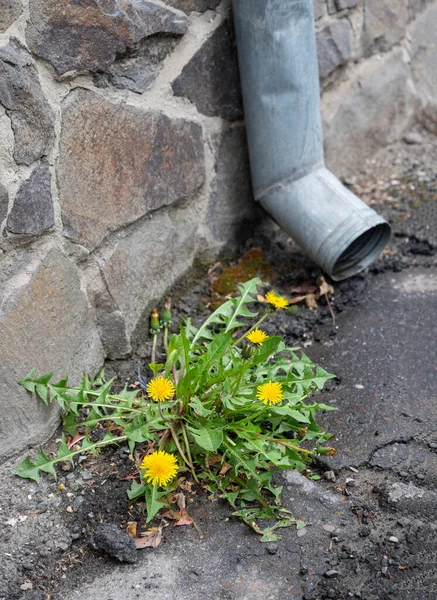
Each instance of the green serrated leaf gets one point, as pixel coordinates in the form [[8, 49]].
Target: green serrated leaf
[[207, 438]]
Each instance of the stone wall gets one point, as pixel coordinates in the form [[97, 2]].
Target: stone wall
[[123, 157]]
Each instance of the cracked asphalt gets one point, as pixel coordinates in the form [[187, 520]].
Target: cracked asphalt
[[372, 531]]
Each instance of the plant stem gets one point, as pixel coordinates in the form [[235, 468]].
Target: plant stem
[[187, 445], [257, 324], [288, 445], [153, 357], [165, 339], [181, 452]]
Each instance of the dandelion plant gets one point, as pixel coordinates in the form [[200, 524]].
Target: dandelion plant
[[228, 407]]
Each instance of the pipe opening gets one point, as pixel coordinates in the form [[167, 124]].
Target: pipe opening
[[361, 252]]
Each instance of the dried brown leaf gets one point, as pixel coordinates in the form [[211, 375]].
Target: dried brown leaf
[[131, 529], [151, 539]]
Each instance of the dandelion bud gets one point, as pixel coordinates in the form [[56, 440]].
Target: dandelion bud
[[154, 322], [326, 450], [246, 352], [166, 314]]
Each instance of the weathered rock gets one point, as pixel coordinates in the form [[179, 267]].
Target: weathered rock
[[89, 34], [333, 47], [319, 9], [9, 11], [416, 6], [211, 79], [110, 320], [373, 110], [4, 200], [385, 22], [21, 95], [117, 163], [232, 205], [424, 56], [140, 272], [413, 137], [32, 211], [189, 6], [342, 4], [137, 70], [44, 324], [114, 542]]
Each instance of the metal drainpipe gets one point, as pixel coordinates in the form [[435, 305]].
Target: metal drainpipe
[[280, 82]]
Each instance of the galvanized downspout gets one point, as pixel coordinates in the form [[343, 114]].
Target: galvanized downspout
[[279, 74]]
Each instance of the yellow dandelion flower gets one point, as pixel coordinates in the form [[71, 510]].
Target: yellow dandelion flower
[[270, 392], [160, 389], [159, 467], [276, 301], [257, 336]]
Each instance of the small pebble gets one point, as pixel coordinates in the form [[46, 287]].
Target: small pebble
[[77, 503], [272, 548], [329, 476], [331, 593], [413, 138], [393, 539], [420, 476], [332, 573]]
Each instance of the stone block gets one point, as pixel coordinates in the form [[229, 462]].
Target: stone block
[[44, 324], [146, 262], [211, 79], [32, 211], [118, 163], [319, 8], [385, 23], [424, 57], [9, 11], [139, 67], [371, 110], [89, 34], [21, 95], [343, 4], [333, 47], [110, 320], [189, 6], [4, 201], [232, 205]]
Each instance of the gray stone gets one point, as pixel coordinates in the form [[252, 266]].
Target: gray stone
[[118, 163], [32, 211], [333, 47], [189, 6], [329, 476], [44, 324], [393, 539], [138, 273], [231, 206], [4, 200], [88, 34], [319, 9], [342, 4], [21, 95], [416, 6], [331, 6], [424, 58], [374, 109], [332, 573], [385, 23], [138, 69], [211, 79], [114, 542], [9, 11], [110, 320]]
